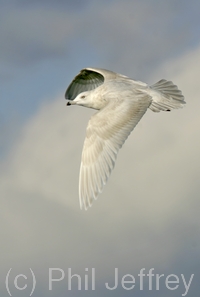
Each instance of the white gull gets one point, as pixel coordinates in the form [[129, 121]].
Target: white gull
[[121, 102]]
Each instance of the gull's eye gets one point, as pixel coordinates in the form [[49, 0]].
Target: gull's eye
[[83, 96]]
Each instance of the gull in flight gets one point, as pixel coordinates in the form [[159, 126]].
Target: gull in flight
[[121, 102]]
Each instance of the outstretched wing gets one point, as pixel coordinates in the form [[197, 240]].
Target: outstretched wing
[[86, 80], [106, 132], [89, 79]]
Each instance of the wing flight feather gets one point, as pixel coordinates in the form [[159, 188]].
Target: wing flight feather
[[106, 132]]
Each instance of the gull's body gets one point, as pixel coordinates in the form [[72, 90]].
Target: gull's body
[[121, 102]]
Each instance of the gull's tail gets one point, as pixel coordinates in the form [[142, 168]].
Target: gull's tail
[[166, 96]]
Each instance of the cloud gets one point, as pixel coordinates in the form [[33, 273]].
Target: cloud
[[33, 33], [59, 5], [147, 215]]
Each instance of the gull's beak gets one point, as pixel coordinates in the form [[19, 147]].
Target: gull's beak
[[71, 102]]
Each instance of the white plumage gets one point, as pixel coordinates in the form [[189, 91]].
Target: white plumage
[[121, 102]]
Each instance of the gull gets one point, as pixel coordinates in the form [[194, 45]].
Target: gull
[[121, 103]]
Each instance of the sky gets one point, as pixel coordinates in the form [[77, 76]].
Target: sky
[[147, 217]]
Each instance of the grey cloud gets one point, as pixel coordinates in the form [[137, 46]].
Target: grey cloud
[[137, 30], [71, 5], [113, 29], [76, 5], [148, 218], [30, 36]]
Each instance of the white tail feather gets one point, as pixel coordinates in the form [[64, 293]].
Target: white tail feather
[[166, 96]]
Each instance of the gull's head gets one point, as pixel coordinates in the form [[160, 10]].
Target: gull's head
[[86, 99], [82, 99]]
